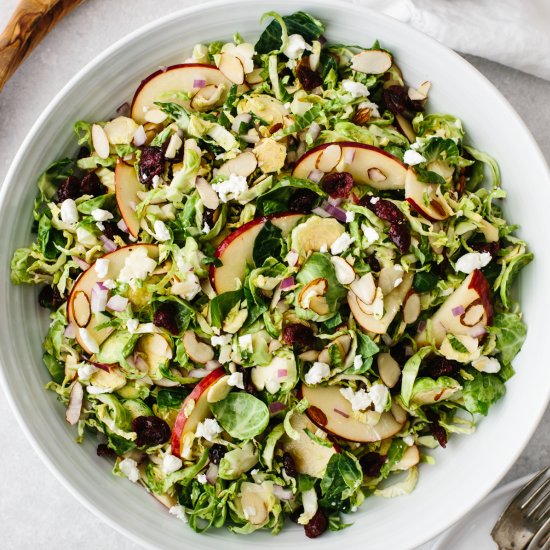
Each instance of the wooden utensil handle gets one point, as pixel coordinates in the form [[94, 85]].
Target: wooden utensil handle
[[30, 22]]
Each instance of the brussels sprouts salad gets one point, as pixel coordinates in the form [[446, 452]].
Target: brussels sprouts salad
[[276, 281]]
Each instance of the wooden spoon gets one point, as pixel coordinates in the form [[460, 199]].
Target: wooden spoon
[[30, 22]]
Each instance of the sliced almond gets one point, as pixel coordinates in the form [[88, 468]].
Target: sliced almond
[[371, 62], [406, 127], [255, 77], [362, 116], [329, 158], [173, 146], [254, 508], [81, 309], [242, 165], [218, 390], [388, 369], [343, 342], [344, 271], [376, 175], [207, 97], [473, 314], [365, 288], [310, 355], [199, 352], [420, 93], [100, 141], [411, 308], [315, 288], [208, 196], [156, 116], [319, 305], [389, 279], [231, 67], [75, 404], [376, 307]]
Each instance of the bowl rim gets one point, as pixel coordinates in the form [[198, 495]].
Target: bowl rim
[[460, 510]]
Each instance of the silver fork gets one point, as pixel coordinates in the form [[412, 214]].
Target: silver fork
[[538, 541], [525, 515]]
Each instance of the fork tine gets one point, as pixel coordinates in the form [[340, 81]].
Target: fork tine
[[540, 536], [541, 508], [527, 489], [533, 498]]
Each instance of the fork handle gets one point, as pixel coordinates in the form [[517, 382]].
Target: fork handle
[[30, 22]]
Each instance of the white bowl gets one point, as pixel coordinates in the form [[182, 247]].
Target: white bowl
[[470, 466]]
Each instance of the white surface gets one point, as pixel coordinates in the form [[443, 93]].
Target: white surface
[[35, 508]]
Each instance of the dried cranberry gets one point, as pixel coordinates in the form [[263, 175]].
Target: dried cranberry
[[491, 248], [436, 429], [216, 453], [309, 79], [151, 431], [317, 525], [105, 451], [83, 152], [373, 262], [442, 267], [397, 101], [165, 317], [249, 387], [298, 334], [69, 189], [384, 209], [338, 184], [151, 164], [372, 463], [111, 230], [50, 298], [400, 236], [302, 200], [289, 465], [91, 185], [437, 366]]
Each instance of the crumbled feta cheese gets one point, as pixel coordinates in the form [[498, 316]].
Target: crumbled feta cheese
[[472, 261], [161, 231], [188, 288], [357, 362], [100, 215], [89, 342], [245, 342], [102, 267], [231, 188], [138, 265], [221, 340], [209, 429], [83, 236], [416, 145], [359, 400], [109, 283], [201, 478], [86, 370], [412, 157], [341, 244], [129, 468], [317, 372], [205, 229], [350, 216], [171, 464], [374, 200], [369, 105], [356, 89], [370, 234], [100, 226], [486, 364], [156, 181], [409, 440], [295, 46], [178, 511], [236, 380], [132, 325], [379, 395], [69, 213], [96, 390]]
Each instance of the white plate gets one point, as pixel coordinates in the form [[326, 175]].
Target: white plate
[[470, 466], [474, 529]]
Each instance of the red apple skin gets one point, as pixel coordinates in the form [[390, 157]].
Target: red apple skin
[[181, 420], [420, 210], [480, 284]]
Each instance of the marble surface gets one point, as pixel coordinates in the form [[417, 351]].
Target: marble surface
[[35, 510]]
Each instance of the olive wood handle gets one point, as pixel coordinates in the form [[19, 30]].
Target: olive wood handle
[[30, 22]]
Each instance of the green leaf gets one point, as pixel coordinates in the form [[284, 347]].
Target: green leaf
[[300, 122], [410, 372], [367, 349], [241, 415], [395, 454], [171, 398], [55, 367], [509, 276], [510, 333], [441, 149], [427, 176], [317, 439], [481, 392], [342, 479], [425, 281], [49, 181], [456, 344], [279, 197], [222, 304], [268, 244]]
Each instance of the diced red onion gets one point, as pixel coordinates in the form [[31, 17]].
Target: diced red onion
[[320, 212], [75, 404], [101, 366], [108, 245], [421, 326], [314, 131], [198, 373], [345, 415], [349, 155], [70, 331], [334, 211], [276, 407], [212, 473], [477, 331], [287, 283], [322, 40], [211, 365], [281, 493], [117, 303], [123, 110], [121, 224], [140, 363], [80, 263], [458, 310], [334, 202], [98, 299], [140, 137], [292, 258], [239, 119], [316, 175], [199, 83], [281, 373]]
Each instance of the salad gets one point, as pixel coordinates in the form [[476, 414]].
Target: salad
[[276, 281]]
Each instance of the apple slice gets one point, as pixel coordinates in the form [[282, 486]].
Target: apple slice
[[195, 409], [236, 250], [331, 411], [127, 186], [367, 164], [392, 304], [309, 457], [410, 458], [83, 288], [187, 78], [419, 193], [467, 311]]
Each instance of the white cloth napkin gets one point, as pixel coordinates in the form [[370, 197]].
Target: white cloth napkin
[[512, 32]]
